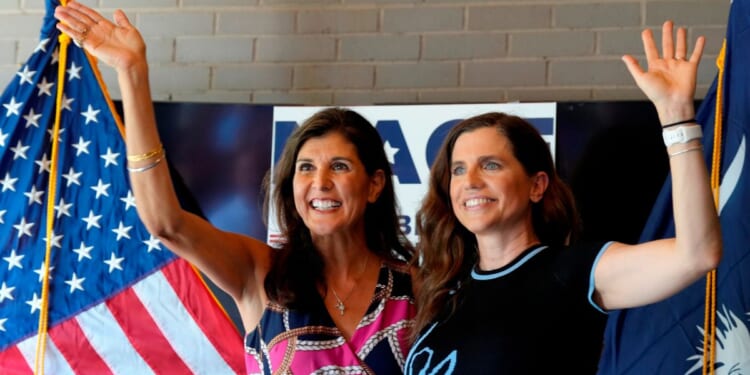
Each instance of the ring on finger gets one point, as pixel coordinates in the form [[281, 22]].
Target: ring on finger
[[83, 36], [79, 41]]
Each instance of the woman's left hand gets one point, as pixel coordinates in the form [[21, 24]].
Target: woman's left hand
[[670, 79]]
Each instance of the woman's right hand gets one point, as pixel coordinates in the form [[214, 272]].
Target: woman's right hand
[[117, 44]]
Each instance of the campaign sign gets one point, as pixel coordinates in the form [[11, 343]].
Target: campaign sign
[[412, 135]]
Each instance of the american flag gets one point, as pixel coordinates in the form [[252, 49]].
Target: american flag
[[117, 301]]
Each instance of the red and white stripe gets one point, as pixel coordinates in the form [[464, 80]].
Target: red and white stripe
[[167, 323]]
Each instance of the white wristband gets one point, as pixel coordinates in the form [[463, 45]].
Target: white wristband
[[682, 134]]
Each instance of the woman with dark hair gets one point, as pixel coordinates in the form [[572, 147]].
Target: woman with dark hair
[[503, 290], [336, 297]]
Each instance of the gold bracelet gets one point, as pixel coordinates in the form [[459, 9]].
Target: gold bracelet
[[146, 167], [153, 153], [694, 148]]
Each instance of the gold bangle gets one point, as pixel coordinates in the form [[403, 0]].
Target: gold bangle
[[155, 152], [694, 148]]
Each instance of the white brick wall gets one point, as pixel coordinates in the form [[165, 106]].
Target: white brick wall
[[357, 52]]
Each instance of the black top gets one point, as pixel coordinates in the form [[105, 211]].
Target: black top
[[532, 316]]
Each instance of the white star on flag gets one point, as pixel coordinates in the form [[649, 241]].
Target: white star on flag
[[3, 137], [66, 102], [63, 208], [90, 114], [122, 231], [14, 260], [75, 283], [35, 303], [82, 147], [41, 272], [129, 200], [100, 189], [152, 243], [9, 183], [32, 118], [42, 45], [13, 106], [27, 76], [110, 157], [34, 195], [74, 72], [43, 163], [92, 220], [19, 151], [114, 263], [45, 88], [6, 292], [72, 177], [24, 228], [56, 239], [83, 251]]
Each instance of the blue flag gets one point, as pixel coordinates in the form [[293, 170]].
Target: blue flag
[[668, 337], [84, 288]]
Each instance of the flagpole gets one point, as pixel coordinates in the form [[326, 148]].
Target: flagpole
[[52, 192], [709, 333]]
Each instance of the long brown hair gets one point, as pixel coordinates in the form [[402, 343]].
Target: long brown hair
[[447, 250], [297, 267]]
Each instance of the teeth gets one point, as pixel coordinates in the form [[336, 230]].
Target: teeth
[[325, 204], [476, 202]]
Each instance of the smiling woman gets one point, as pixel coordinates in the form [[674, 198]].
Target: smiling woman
[[332, 187], [335, 167], [485, 158], [504, 285], [337, 212]]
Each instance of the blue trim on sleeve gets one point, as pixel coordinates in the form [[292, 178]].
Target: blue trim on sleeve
[[592, 286]]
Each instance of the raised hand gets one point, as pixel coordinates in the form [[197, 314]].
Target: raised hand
[[670, 79], [117, 44]]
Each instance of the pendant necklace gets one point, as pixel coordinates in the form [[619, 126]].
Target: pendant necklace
[[340, 304]]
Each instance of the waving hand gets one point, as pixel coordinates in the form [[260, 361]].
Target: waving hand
[[117, 44], [669, 82]]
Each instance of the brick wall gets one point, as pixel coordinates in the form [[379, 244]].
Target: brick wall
[[357, 52]]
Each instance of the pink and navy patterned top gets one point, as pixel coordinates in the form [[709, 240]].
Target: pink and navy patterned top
[[296, 342]]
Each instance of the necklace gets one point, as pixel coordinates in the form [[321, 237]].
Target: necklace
[[340, 303]]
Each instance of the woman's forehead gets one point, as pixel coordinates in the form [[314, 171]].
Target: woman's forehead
[[329, 145], [480, 140]]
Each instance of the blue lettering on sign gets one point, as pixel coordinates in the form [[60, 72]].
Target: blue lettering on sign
[[404, 222], [403, 164], [436, 140]]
